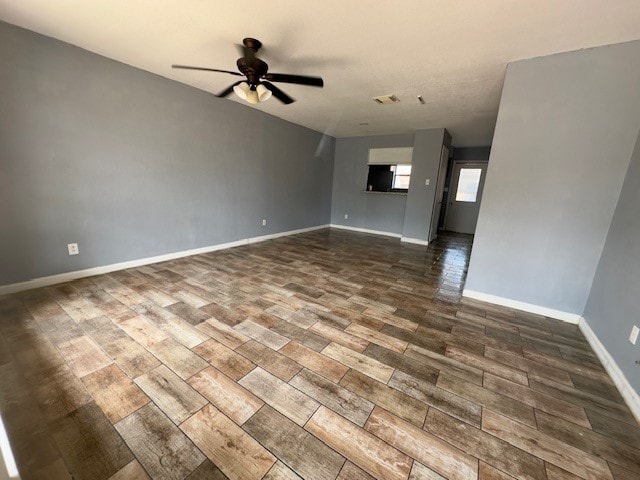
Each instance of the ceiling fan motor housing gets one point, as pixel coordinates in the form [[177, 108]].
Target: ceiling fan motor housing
[[253, 69]]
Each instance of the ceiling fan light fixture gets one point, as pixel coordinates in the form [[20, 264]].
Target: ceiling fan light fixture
[[263, 93], [252, 97], [242, 90]]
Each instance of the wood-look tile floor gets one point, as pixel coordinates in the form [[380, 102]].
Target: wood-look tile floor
[[328, 355]]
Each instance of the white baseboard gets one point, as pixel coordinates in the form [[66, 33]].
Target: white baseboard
[[365, 230], [629, 395], [525, 307], [88, 272], [416, 241]]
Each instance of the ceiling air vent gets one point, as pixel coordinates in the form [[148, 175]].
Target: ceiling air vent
[[386, 99]]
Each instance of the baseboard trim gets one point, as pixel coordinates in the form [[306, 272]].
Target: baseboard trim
[[523, 306], [89, 272], [365, 230], [416, 241], [629, 395]]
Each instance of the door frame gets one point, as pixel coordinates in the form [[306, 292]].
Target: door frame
[[450, 191], [440, 185]]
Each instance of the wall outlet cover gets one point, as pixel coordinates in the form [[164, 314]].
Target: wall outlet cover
[[264, 222], [346, 216], [633, 338], [73, 248], [427, 182]]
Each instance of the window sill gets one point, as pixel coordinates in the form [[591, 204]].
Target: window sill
[[384, 193]]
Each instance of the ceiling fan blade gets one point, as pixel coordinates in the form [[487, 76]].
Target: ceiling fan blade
[[279, 94], [298, 79], [186, 67], [227, 91]]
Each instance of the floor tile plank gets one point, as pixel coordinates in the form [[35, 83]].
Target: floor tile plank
[[170, 393], [317, 362], [230, 398], [207, 471], [280, 395], [162, 449], [527, 365], [91, 447], [223, 333], [423, 446], [224, 359], [358, 361], [178, 358], [270, 360], [543, 446], [132, 470], [365, 450], [352, 472], [260, 334], [338, 336], [114, 392], [448, 402], [420, 472], [536, 399], [488, 365], [84, 356], [488, 398], [232, 450], [280, 471], [339, 399], [409, 365], [589, 441], [374, 336], [486, 447], [294, 446], [397, 402]]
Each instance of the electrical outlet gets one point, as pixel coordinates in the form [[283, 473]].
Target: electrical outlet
[[73, 248], [346, 216], [264, 222], [633, 338], [427, 182]]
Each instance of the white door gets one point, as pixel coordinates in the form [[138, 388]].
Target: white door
[[467, 183], [437, 206]]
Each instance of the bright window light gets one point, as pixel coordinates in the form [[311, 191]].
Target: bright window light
[[7, 454], [468, 184], [401, 176]]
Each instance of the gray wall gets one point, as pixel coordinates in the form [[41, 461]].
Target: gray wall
[[132, 165], [426, 162], [612, 308], [372, 211], [567, 125]]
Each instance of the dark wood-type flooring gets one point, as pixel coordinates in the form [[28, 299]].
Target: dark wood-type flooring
[[328, 355]]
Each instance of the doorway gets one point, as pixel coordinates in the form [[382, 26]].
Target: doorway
[[467, 184]]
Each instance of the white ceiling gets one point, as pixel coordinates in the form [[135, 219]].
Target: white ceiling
[[452, 52]]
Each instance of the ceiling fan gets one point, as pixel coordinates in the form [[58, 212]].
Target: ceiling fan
[[258, 87]]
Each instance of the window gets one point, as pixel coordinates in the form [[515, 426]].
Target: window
[[389, 178], [468, 184], [389, 169], [401, 176]]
